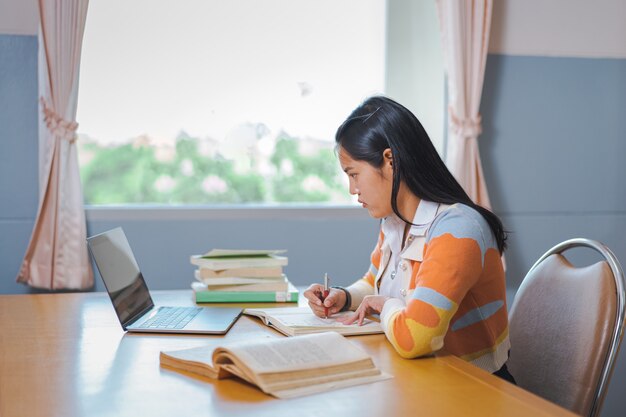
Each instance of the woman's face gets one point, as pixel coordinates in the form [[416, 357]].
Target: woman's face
[[371, 185]]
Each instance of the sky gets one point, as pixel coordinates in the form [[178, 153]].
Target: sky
[[157, 67]]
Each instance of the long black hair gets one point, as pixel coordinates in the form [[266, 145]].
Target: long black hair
[[380, 123]]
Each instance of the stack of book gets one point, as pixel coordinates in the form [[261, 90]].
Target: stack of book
[[242, 276]]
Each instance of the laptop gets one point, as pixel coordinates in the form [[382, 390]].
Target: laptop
[[131, 298]]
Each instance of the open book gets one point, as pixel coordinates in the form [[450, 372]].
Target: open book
[[294, 321], [282, 367]]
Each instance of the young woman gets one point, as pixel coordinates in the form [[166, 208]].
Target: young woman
[[436, 277]]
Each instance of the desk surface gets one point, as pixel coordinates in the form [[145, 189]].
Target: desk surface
[[66, 355]]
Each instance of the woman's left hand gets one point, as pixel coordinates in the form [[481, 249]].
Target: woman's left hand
[[371, 304]]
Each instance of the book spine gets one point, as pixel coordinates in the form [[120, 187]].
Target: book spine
[[246, 297]]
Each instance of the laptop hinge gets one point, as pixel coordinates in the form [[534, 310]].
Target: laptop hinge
[[137, 316]]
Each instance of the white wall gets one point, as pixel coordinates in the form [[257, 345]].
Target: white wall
[[566, 28], [18, 17], [415, 74]]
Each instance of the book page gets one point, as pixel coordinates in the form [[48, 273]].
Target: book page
[[305, 352], [311, 320], [196, 360], [304, 317], [199, 359], [201, 354], [329, 386]]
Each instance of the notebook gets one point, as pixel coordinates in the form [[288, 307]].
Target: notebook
[[131, 298]]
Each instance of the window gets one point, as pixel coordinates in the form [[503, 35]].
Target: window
[[208, 102]]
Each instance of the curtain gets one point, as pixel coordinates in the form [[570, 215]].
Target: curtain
[[465, 26], [56, 257]]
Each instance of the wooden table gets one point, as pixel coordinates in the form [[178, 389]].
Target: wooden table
[[66, 355]]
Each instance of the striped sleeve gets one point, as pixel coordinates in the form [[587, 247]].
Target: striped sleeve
[[365, 286], [451, 266]]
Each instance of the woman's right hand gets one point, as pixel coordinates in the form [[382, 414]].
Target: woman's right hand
[[334, 302]]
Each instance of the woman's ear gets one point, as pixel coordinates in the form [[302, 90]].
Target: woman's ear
[[388, 157]]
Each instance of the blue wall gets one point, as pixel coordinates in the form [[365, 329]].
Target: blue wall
[[554, 138], [552, 150], [339, 243], [18, 153]]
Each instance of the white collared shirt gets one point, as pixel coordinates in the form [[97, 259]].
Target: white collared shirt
[[393, 229]]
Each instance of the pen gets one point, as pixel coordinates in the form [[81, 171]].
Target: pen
[[325, 294]]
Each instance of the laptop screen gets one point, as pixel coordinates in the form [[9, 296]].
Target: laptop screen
[[120, 273]]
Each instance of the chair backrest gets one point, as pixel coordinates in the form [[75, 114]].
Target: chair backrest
[[566, 326]]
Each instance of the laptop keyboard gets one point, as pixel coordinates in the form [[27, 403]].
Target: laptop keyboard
[[171, 318]]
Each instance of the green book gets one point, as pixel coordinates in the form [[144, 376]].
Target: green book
[[204, 296]]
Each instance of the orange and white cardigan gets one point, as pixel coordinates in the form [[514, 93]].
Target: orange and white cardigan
[[453, 291]]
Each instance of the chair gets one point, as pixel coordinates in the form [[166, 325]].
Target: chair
[[566, 326]]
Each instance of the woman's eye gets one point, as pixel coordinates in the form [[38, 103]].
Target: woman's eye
[[352, 175]]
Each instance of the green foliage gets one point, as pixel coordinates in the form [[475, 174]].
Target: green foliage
[[136, 173], [292, 186], [119, 174]]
